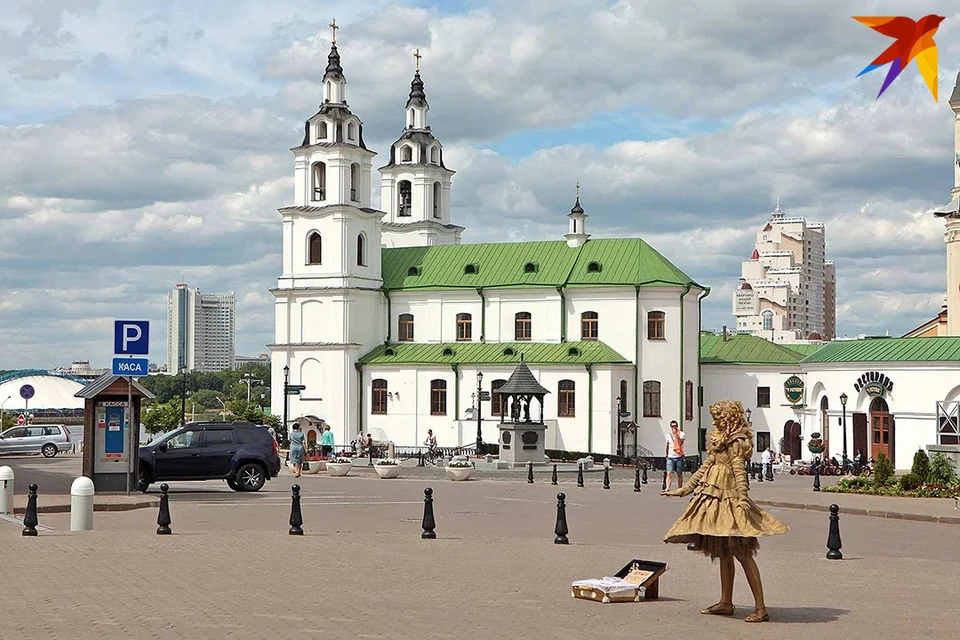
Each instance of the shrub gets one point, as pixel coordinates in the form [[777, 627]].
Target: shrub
[[855, 483], [941, 471], [882, 470], [921, 464], [911, 481]]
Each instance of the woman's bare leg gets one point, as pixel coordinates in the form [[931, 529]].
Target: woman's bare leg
[[725, 606], [752, 572]]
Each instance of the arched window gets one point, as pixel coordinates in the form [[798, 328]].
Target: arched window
[[767, 320], [566, 399], [314, 249], [327, 90], [378, 405], [825, 421], [354, 178], [404, 192], [655, 328], [464, 327], [361, 250], [322, 131], [498, 403], [651, 399], [522, 326], [589, 325], [436, 199], [411, 118], [351, 131], [405, 328], [406, 153], [319, 181], [438, 397], [435, 155], [622, 405], [688, 400]]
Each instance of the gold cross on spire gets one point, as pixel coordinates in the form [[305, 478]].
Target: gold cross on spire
[[578, 191], [334, 27], [417, 56]]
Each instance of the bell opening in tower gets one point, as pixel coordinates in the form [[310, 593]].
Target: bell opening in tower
[[404, 205]]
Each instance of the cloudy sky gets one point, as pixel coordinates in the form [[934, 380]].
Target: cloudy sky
[[141, 147]]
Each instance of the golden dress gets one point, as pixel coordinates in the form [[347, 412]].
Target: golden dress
[[721, 519]]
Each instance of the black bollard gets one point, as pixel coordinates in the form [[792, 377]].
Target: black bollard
[[561, 528], [643, 476], [579, 474], [606, 477], [529, 472], [692, 546], [833, 537], [636, 481], [553, 478], [753, 471], [296, 517], [816, 477], [429, 525], [163, 518], [30, 521], [760, 474], [664, 488]]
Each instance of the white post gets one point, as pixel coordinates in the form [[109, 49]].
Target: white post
[[6, 491], [81, 504]]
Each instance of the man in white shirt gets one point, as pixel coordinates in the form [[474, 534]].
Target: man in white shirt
[[766, 459], [674, 453]]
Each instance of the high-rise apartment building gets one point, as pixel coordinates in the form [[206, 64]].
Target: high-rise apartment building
[[787, 289], [201, 330]]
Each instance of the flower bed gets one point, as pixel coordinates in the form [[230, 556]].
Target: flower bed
[[938, 480]]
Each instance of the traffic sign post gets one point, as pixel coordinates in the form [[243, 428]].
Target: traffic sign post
[[295, 389], [131, 338], [21, 419]]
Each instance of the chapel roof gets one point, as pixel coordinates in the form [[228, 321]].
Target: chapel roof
[[522, 382], [547, 264]]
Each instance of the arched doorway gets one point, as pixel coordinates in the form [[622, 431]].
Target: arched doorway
[[825, 424], [881, 429], [792, 444]]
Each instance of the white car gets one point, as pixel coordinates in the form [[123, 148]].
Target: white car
[[48, 439]]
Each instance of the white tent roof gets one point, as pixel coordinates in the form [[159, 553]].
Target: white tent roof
[[50, 392]]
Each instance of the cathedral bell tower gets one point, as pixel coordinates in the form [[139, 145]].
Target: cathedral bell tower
[[415, 184], [577, 226], [951, 216]]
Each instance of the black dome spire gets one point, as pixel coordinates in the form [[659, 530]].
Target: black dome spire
[[417, 97], [334, 70]]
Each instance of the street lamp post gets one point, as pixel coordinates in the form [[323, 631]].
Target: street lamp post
[[183, 396], [843, 403], [479, 414], [248, 380], [223, 415], [621, 413], [286, 385]]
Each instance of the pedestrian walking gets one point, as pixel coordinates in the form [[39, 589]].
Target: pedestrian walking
[[766, 459], [296, 450], [326, 441], [674, 454]]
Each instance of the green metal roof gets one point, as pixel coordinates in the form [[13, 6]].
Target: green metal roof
[[446, 353], [804, 349], [621, 261], [889, 350], [744, 349]]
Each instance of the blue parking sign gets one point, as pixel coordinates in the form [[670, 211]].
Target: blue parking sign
[[131, 337]]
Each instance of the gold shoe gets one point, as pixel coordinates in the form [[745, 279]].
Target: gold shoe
[[719, 609], [756, 616]]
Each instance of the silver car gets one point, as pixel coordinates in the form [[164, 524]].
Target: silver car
[[48, 439]]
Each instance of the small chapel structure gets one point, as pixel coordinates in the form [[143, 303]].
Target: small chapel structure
[[384, 315]]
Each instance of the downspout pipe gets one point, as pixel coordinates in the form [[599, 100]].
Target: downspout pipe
[[563, 314], [703, 294], [483, 315], [386, 294], [360, 394], [686, 290], [636, 377], [456, 389], [589, 408]]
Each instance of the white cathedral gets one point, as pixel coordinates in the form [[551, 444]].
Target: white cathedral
[[392, 325]]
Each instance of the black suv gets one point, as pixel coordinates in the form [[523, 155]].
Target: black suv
[[242, 453]]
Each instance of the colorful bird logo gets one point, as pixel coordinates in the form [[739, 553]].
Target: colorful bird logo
[[914, 40]]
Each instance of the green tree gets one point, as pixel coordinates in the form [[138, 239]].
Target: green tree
[[9, 420], [942, 471], [161, 418], [921, 465], [206, 399]]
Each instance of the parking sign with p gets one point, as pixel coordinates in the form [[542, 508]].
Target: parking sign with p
[[131, 337]]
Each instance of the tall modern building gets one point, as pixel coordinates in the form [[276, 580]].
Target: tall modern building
[[201, 330], [787, 290]]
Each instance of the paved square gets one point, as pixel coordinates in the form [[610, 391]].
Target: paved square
[[361, 571]]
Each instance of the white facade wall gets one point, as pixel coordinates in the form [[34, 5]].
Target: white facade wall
[[741, 382]]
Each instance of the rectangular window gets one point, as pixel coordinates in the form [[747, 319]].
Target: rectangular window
[[651, 399], [438, 398], [763, 396], [498, 402], [405, 328], [523, 327], [655, 328], [590, 326], [378, 405], [688, 401], [464, 327], [566, 399], [763, 440]]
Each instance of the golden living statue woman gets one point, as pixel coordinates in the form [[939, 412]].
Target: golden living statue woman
[[721, 519]]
